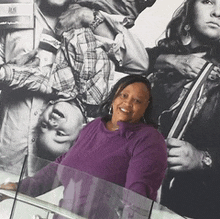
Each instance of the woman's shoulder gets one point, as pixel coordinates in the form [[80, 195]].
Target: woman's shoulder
[[148, 128], [143, 132], [149, 141], [150, 133], [94, 123]]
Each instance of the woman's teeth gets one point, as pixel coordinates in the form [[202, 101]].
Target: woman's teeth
[[124, 110]]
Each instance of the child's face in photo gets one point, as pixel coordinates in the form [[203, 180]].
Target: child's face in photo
[[206, 18], [59, 126]]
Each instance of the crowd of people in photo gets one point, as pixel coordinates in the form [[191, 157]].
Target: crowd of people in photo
[[64, 104]]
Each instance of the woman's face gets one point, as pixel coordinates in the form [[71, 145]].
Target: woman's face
[[207, 19], [60, 124], [131, 103]]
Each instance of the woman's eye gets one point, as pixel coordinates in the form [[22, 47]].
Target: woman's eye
[[207, 2], [137, 101], [59, 133], [123, 95]]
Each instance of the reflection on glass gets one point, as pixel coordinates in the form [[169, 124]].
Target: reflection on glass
[[60, 192]]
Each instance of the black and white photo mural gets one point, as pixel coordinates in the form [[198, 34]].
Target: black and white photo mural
[[59, 60]]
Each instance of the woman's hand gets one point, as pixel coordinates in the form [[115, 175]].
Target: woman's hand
[[7, 186], [182, 156], [74, 17], [189, 65]]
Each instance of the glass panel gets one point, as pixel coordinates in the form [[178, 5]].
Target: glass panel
[[8, 175], [161, 212], [60, 192], [6, 205]]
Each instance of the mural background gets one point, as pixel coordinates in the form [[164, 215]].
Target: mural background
[[152, 22]]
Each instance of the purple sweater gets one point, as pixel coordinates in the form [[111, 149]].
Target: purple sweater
[[133, 157]]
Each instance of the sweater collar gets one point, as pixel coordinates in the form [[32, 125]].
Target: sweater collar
[[126, 129]]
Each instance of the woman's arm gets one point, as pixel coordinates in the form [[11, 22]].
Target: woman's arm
[[42, 182], [147, 165], [188, 65]]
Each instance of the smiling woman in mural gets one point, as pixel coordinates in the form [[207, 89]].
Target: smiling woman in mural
[[192, 39]]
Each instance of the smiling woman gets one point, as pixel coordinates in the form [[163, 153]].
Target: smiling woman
[[133, 156], [123, 147], [131, 94], [130, 104]]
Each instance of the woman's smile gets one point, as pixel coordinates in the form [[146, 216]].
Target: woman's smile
[[124, 110]]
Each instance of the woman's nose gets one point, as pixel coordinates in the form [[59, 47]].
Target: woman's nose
[[52, 123], [216, 11], [128, 101]]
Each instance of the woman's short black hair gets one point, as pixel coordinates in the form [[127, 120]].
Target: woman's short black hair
[[105, 106]]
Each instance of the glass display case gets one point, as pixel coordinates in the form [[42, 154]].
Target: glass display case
[[60, 192]]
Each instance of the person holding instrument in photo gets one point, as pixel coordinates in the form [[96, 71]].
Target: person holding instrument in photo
[[122, 147], [192, 40]]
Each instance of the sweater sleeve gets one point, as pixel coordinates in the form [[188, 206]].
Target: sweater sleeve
[[43, 181], [147, 165]]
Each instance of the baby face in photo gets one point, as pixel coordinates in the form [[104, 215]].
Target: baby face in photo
[[59, 126]]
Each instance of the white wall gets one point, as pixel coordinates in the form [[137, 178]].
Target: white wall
[[152, 22]]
